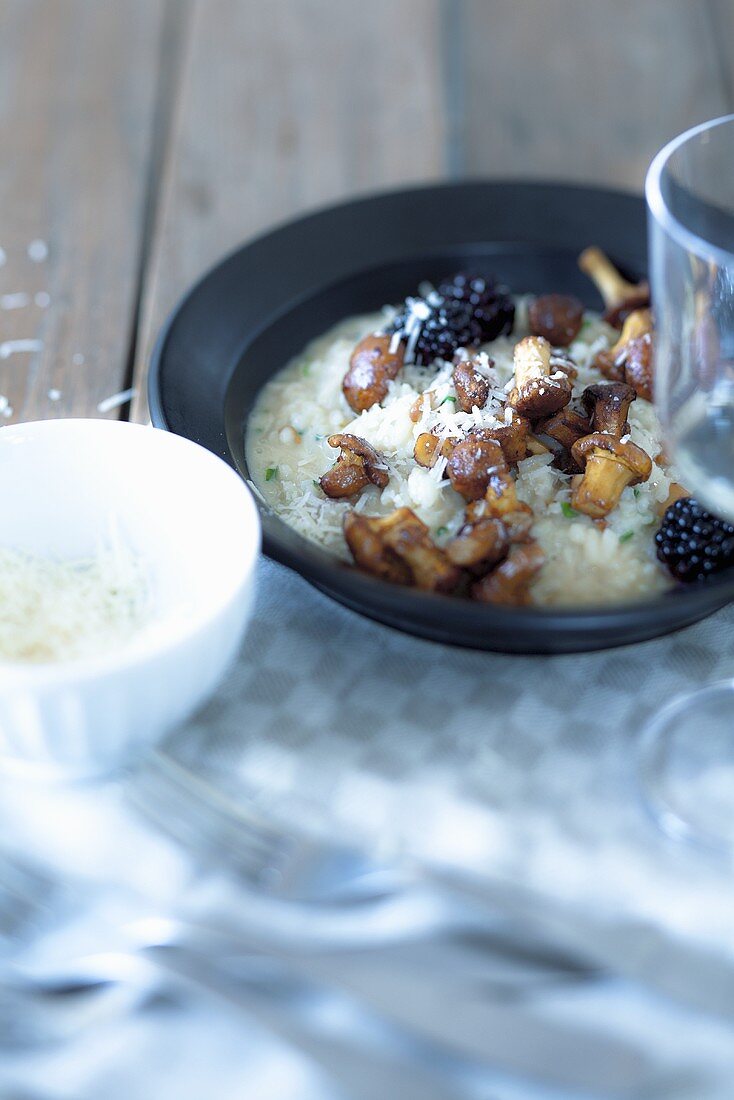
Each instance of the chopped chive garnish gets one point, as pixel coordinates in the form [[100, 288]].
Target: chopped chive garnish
[[271, 472], [317, 483], [442, 531], [636, 491], [449, 398], [567, 510], [626, 536]]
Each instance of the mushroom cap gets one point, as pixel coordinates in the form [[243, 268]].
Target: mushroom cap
[[364, 539], [608, 404], [512, 437], [374, 465], [344, 479], [399, 548], [509, 582], [638, 365], [538, 397], [429, 448], [560, 432], [565, 426], [556, 317], [472, 388], [371, 366], [627, 453], [472, 463], [479, 544]]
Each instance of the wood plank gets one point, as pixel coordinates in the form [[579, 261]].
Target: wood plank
[[583, 91], [78, 85], [283, 107]]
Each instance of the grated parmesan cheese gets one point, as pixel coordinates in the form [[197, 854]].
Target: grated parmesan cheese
[[583, 562], [54, 610]]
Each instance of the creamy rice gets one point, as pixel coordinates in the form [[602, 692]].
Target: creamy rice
[[287, 453]]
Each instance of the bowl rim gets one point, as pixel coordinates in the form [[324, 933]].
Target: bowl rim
[[333, 576], [157, 638]]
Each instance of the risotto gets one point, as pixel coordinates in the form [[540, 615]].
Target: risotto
[[407, 457]]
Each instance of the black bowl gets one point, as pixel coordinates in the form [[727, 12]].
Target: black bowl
[[261, 305]]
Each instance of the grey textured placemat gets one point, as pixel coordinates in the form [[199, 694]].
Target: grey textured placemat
[[511, 768]]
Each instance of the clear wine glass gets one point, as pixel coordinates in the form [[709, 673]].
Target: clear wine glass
[[687, 751]]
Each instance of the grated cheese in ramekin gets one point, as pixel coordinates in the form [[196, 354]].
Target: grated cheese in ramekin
[[53, 610]]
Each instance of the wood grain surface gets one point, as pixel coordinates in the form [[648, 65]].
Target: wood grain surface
[[286, 107], [584, 91], [78, 87], [143, 139]]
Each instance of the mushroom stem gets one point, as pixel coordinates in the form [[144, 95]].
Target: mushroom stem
[[630, 359], [602, 486], [637, 323], [532, 359], [608, 281], [610, 465], [502, 502]]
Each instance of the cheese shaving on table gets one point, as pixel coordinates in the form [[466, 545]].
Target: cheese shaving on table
[[18, 300], [116, 400], [38, 251], [13, 347]]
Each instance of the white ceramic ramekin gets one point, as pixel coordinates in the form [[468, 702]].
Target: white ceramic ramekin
[[192, 521]]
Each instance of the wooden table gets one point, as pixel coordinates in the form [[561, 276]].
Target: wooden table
[[140, 139]]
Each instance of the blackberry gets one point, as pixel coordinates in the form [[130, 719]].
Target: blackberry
[[693, 543], [463, 311], [491, 304]]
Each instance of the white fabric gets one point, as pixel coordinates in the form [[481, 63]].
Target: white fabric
[[508, 778]]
